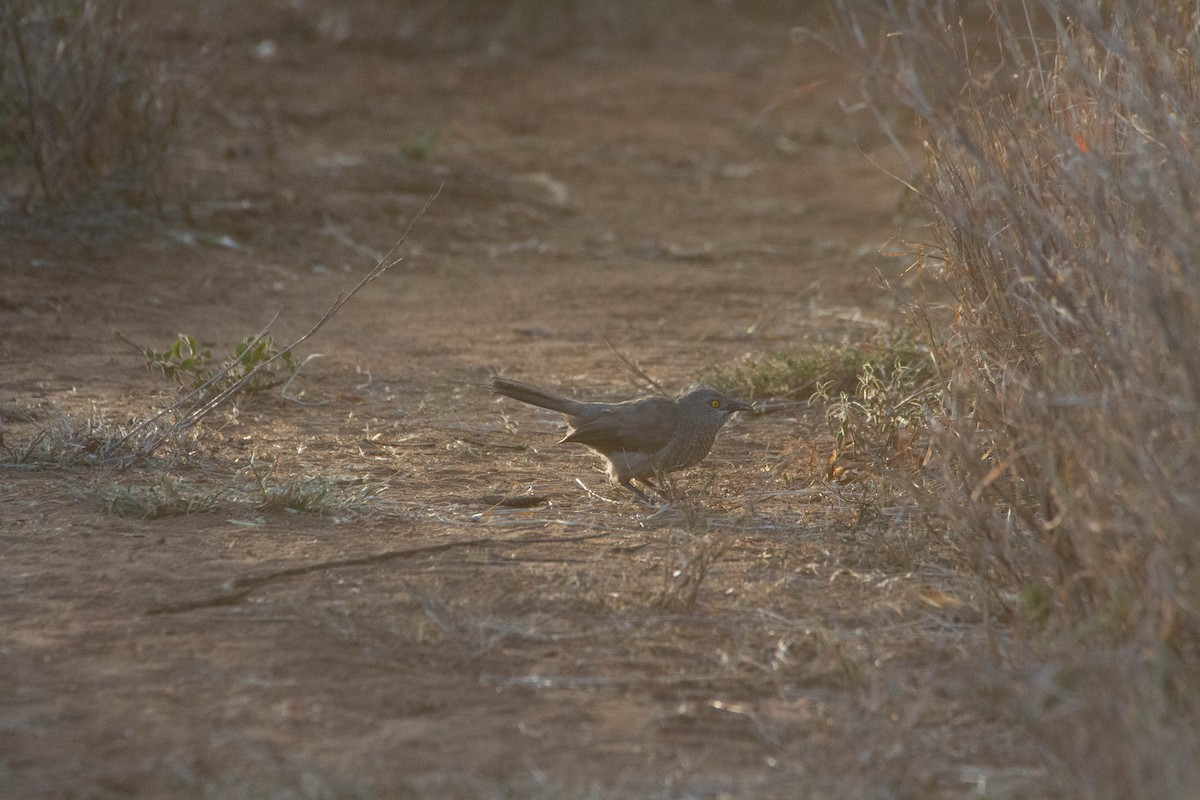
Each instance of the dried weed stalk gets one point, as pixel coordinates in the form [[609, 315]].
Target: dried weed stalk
[[83, 113], [686, 565], [1063, 166], [189, 410], [97, 442]]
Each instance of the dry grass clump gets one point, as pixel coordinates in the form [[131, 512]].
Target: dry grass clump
[[155, 494], [83, 114], [820, 370], [94, 440], [162, 496], [1063, 169], [789, 374], [883, 423], [323, 495], [1063, 188]]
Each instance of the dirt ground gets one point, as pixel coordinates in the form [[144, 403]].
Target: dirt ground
[[689, 199]]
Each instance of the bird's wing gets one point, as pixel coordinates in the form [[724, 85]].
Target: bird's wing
[[642, 426]]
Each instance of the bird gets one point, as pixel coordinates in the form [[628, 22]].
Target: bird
[[641, 439]]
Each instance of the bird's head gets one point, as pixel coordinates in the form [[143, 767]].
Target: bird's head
[[714, 402]]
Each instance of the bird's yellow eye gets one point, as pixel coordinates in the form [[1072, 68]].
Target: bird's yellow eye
[[715, 403]]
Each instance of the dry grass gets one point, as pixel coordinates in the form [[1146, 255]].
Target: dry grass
[[255, 489], [821, 371], [825, 631], [160, 496], [1062, 171], [94, 440], [84, 113]]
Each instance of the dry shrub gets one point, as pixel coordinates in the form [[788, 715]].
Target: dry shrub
[[1063, 178], [83, 114], [1063, 155]]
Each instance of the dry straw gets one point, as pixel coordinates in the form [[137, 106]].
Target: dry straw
[[1062, 160], [84, 112]]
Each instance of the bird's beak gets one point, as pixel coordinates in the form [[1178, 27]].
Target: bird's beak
[[738, 405]]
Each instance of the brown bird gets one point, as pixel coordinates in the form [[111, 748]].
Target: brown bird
[[641, 439]]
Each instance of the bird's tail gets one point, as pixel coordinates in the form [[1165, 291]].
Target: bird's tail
[[528, 393]]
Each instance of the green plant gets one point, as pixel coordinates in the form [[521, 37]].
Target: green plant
[[182, 360], [193, 366], [787, 374], [821, 371], [884, 422], [311, 494], [250, 362]]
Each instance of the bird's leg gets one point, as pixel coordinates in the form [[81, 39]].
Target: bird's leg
[[664, 486], [655, 488], [645, 498]]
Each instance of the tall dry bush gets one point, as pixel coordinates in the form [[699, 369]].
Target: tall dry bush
[[1063, 158], [84, 114], [1062, 173]]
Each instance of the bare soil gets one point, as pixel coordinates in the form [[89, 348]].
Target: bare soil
[[688, 199]]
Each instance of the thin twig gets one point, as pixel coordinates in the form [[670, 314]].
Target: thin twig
[[237, 588], [182, 401], [283, 392], [343, 238], [584, 486], [634, 367], [203, 408]]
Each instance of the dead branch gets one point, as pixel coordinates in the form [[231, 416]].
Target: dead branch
[[635, 368], [237, 588], [205, 406]]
